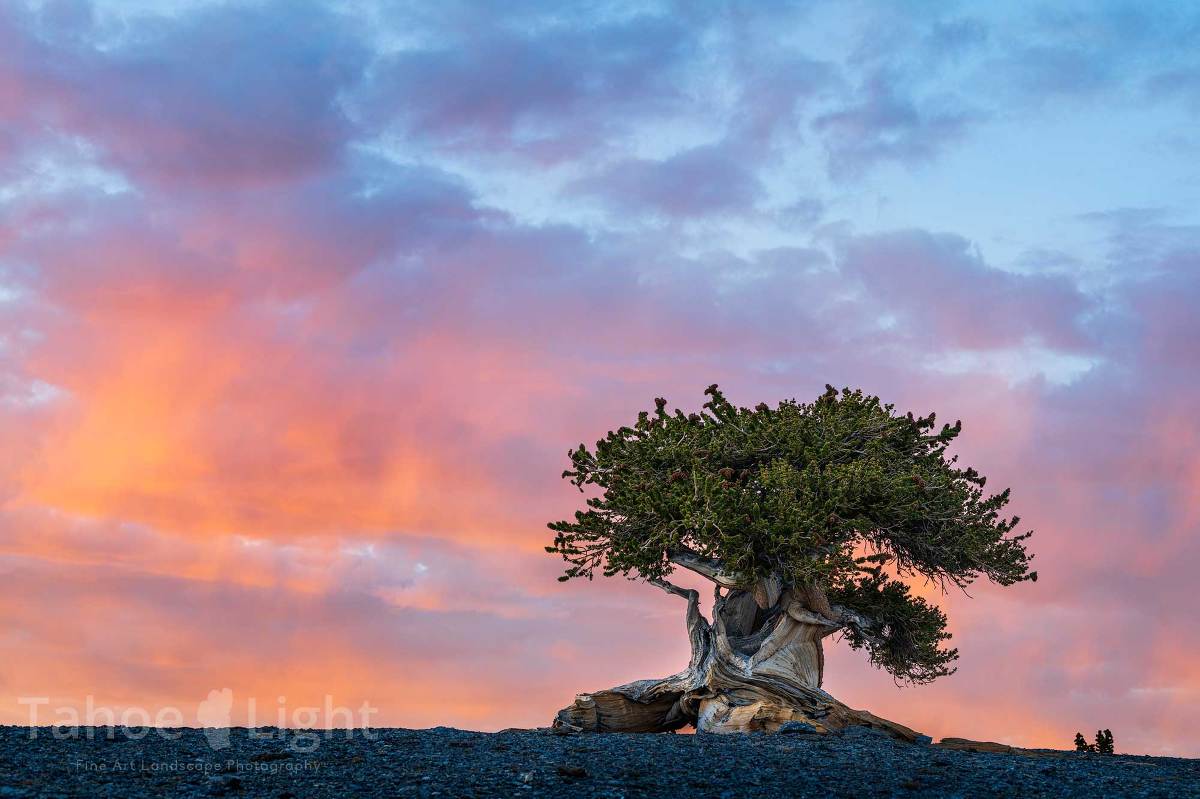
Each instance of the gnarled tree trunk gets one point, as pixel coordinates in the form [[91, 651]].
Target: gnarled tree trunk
[[758, 665]]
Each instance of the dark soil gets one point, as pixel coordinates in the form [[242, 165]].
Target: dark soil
[[453, 763]]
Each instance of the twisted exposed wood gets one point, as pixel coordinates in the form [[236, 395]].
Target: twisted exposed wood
[[738, 679], [814, 598], [766, 591]]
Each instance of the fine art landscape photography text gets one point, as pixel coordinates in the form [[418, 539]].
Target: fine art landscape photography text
[[628, 398]]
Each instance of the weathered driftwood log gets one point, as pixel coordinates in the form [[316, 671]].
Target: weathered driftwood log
[[756, 666]]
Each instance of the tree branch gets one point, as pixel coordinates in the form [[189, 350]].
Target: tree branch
[[840, 617], [706, 567], [697, 626], [671, 588], [864, 625], [806, 616]]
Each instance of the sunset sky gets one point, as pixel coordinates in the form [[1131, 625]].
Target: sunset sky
[[302, 305]]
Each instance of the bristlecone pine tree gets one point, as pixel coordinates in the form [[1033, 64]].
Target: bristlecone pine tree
[[1081, 744], [1104, 742], [808, 517]]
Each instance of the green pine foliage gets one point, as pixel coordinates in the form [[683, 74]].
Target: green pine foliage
[[800, 490]]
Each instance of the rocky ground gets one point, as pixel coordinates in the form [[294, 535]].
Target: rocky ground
[[454, 763]]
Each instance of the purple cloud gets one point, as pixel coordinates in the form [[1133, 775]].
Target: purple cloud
[[882, 124], [221, 94], [953, 298], [550, 92], [695, 182]]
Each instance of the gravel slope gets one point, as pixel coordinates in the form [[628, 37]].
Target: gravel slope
[[453, 763]]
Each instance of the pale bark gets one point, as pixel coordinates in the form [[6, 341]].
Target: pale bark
[[757, 665]]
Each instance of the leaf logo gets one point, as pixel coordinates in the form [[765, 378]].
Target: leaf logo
[[213, 714]]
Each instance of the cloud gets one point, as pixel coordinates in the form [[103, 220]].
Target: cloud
[[547, 90], [422, 604], [223, 94], [1078, 53], [883, 125], [952, 298], [1181, 82], [696, 182], [952, 39]]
